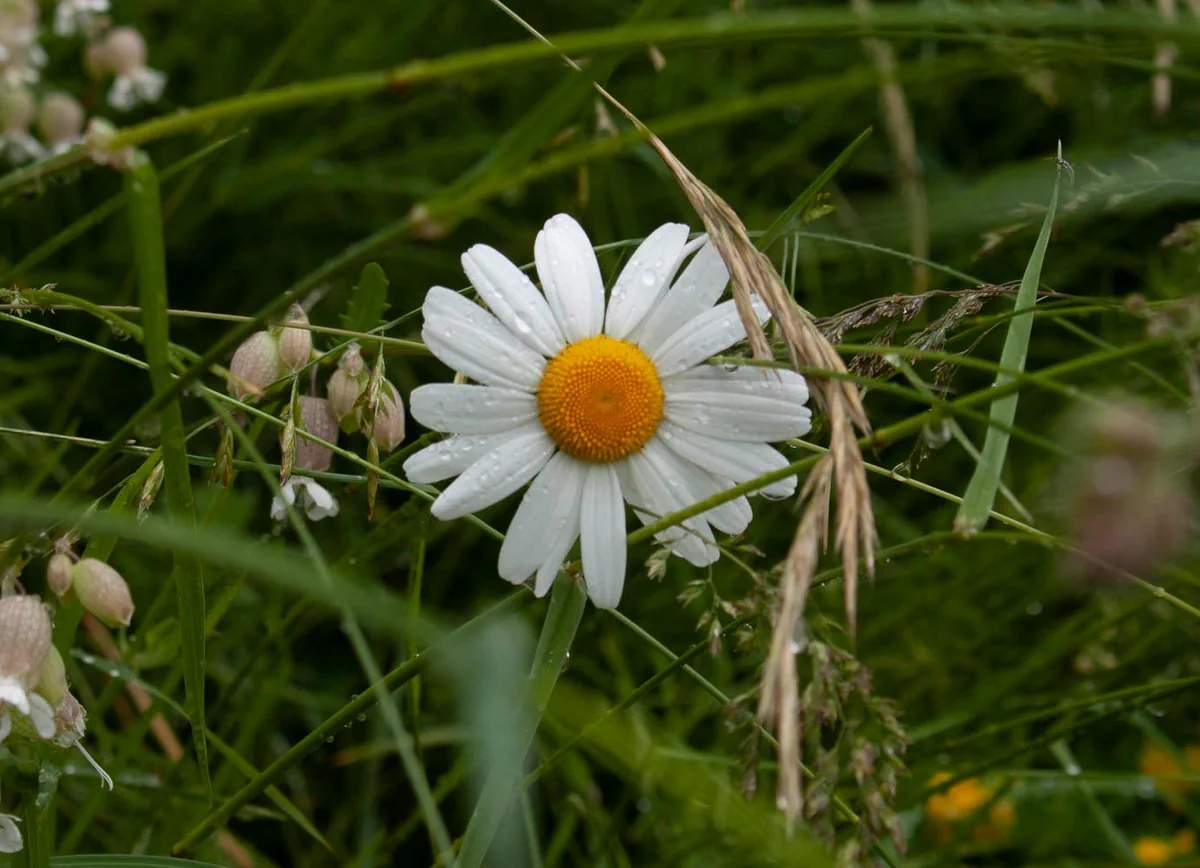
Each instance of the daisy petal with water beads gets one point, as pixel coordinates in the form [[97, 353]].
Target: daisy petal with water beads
[[599, 404]]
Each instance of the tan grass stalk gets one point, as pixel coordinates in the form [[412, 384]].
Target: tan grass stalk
[[1164, 57], [898, 122], [779, 699]]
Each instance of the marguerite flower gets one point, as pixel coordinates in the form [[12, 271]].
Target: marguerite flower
[[599, 405]]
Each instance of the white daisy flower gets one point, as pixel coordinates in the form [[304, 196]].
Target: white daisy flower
[[599, 405], [10, 835], [309, 494]]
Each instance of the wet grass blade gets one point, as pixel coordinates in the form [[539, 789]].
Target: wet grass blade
[[795, 211], [985, 481], [141, 188]]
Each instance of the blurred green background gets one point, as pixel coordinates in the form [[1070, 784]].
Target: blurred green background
[[1046, 695]]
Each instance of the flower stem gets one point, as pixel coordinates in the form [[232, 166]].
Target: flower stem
[[567, 601]]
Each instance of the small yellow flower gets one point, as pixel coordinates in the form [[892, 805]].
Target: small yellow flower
[[1157, 762], [963, 801], [1153, 851]]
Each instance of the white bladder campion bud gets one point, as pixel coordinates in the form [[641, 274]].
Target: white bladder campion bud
[[295, 343], [58, 573], [255, 365], [52, 678], [25, 637], [388, 430], [60, 119], [345, 387], [103, 592], [318, 421]]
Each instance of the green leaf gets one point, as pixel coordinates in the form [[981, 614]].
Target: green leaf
[[369, 300], [985, 481], [141, 187]]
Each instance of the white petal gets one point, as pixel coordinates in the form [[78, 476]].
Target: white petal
[[514, 299], [320, 503], [13, 693], [570, 275], [5, 725], [709, 333], [41, 715], [546, 522], [496, 475], [278, 508], [740, 462], [756, 405], [469, 339], [463, 409], [694, 291], [731, 517], [449, 457], [644, 278], [602, 536], [663, 493], [10, 835]]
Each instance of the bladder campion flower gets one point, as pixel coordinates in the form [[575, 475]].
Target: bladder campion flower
[[599, 404]]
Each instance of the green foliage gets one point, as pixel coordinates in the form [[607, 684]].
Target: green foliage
[[357, 691]]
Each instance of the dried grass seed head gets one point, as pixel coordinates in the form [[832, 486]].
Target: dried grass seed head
[[388, 428]]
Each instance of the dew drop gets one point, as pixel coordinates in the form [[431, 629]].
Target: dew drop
[[649, 277]]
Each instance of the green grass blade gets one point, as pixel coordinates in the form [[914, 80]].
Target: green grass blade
[[795, 211], [273, 793], [567, 602], [141, 187], [981, 490]]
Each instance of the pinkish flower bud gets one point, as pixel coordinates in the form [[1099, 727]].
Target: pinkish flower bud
[[70, 720], [388, 430], [60, 119], [25, 636], [345, 387], [103, 592], [255, 365], [96, 60], [52, 678], [58, 573], [1126, 505], [17, 108], [295, 344], [318, 421], [126, 50]]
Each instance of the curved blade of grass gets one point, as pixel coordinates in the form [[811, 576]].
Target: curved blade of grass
[[338, 721], [796, 210], [145, 218], [981, 490], [273, 793], [567, 601]]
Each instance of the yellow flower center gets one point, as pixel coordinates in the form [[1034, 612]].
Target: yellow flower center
[[600, 399]]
